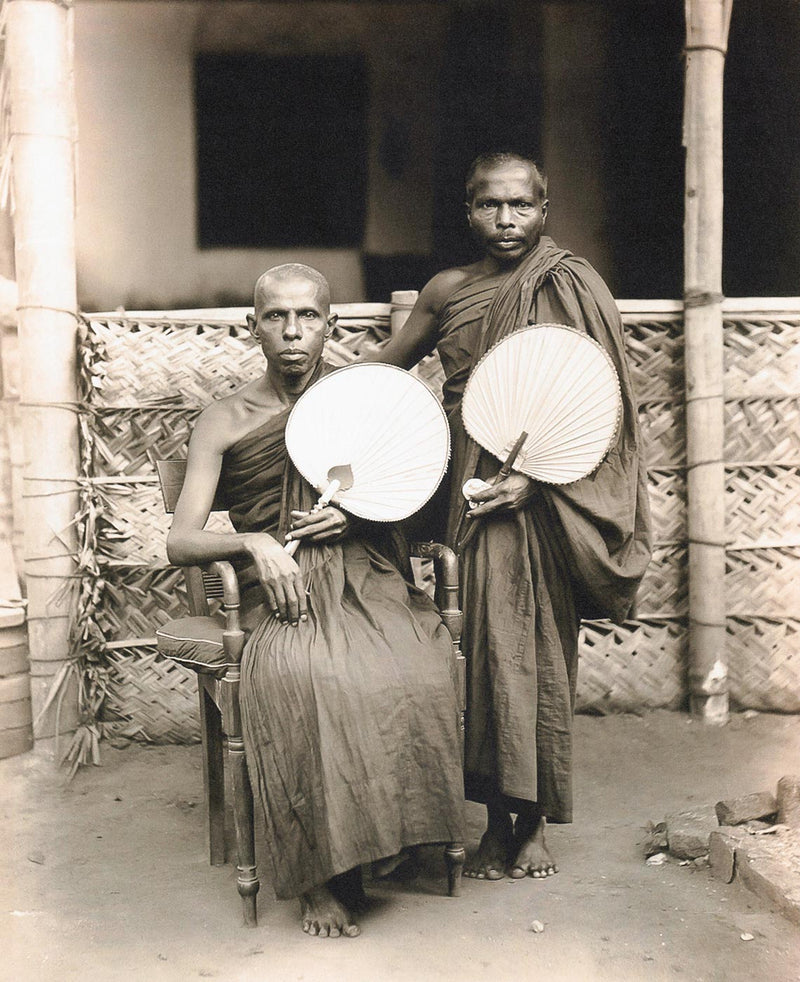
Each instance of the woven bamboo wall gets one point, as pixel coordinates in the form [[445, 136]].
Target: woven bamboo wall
[[146, 378]]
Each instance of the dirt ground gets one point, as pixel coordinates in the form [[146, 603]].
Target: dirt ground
[[107, 878]]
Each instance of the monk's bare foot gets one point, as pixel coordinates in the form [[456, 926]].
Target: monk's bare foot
[[491, 859], [532, 855], [324, 917]]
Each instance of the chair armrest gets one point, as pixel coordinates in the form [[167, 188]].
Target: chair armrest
[[445, 568], [232, 636], [230, 584]]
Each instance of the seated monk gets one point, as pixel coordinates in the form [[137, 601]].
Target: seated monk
[[349, 710]]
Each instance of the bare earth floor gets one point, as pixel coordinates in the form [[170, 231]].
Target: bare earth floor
[[106, 878]]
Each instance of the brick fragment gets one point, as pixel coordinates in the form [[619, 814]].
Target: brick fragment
[[688, 832], [747, 808], [789, 801], [770, 880], [722, 852]]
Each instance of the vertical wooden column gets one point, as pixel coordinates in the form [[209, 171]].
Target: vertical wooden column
[[39, 65], [706, 39], [402, 304]]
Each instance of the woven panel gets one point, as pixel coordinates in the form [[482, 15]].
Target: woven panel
[[764, 663], [135, 528], [763, 582], [667, 491], [665, 588], [148, 378], [762, 506], [638, 665], [129, 362], [128, 441], [139, 363], [150, 698], [762, 356], [663, 434], [654, 347], [755, 430], [139, 599], [761, 429]]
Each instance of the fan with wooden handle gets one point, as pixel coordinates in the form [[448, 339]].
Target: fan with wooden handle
[[550, 394], [371, 438]]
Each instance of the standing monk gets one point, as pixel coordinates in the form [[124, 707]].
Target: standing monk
[[349, 711], [542, 557]]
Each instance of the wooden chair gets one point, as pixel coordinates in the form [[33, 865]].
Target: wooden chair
[[215, 654]]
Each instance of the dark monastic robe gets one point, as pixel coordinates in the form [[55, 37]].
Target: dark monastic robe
[[350, 719], [528, 578]]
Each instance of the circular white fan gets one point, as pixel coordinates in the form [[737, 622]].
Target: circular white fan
[[372, 438], [552, 386]]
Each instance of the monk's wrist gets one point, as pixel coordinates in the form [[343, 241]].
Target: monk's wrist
[[253, 542]]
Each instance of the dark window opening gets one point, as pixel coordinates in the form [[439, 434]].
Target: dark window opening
[[281, 150]]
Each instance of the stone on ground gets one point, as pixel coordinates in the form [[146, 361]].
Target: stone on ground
[[722, 852], [789, 801], [688, 832], [747, 808]]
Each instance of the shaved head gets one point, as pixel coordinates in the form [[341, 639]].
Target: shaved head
[[489, 161], [292, 271]]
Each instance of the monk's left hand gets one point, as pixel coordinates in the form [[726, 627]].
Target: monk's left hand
[[510, 494], [325, 525]]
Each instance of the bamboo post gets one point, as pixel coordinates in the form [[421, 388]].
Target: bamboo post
[[706, 39], [402, 304], [42, 138]]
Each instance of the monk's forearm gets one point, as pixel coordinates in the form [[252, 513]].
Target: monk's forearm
[[405, 352], [197, 547], [416, 339]]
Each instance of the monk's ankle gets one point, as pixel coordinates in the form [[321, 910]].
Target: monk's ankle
[[499, 824], [529, 824]]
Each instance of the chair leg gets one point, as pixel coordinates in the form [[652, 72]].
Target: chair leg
[[213, 774], [454, 857], [247, 876]]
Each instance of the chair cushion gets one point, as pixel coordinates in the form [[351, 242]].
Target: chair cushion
[[195, 642]]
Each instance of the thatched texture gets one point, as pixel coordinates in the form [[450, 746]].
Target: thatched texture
[[145, 379]]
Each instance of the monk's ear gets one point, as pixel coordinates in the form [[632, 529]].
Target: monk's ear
[[251, 326], [545, 205], [331, 324], [468, 206]]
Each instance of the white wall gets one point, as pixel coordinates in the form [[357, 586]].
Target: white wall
[[136, 177]]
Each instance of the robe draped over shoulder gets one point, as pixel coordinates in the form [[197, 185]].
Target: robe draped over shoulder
[[528, 578], [350, 719]]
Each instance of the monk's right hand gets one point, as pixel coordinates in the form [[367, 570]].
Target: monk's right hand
[[280, 577]]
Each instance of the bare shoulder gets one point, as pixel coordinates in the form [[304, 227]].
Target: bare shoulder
[[219, 425], [443, 285]]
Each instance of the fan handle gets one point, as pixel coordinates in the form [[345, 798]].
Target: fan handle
[[505, 470], [502, 474], [324, 499]]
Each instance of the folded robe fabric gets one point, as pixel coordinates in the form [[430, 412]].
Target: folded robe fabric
[[528, 578], [350, 719]]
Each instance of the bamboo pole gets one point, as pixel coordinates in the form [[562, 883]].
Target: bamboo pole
[[42, 141], [706, 40], [402, 304]]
